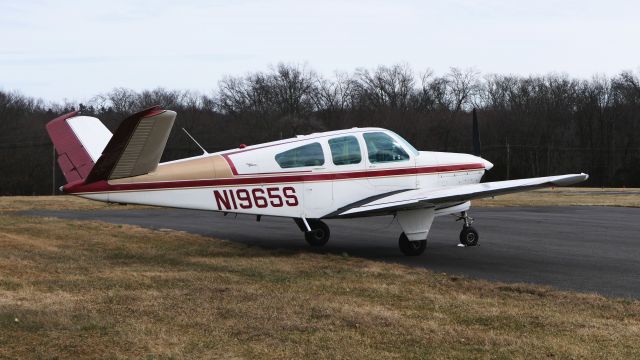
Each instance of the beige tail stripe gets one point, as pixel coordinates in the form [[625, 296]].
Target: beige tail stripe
[[211, 167]]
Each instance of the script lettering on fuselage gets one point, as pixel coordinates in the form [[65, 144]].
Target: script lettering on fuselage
[[234, 199]]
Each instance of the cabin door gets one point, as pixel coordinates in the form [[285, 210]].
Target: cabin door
[[318, 187]]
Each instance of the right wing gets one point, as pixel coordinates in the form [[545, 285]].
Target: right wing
[[427, 198], [136, 147]]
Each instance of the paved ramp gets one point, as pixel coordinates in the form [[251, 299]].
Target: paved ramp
[[593, 249]]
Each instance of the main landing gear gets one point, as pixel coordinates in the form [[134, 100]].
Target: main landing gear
[[411, 248], [319, 234], [468, 236]]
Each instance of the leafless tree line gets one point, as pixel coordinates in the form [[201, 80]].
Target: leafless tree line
[[530, 126]]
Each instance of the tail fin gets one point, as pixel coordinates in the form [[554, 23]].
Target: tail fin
[[136, 147], [79, 141]]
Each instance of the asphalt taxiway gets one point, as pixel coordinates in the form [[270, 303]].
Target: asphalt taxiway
[[590, 249]]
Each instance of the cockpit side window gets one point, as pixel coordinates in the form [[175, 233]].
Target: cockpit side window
[[407, 145], [345, 150], [383, 148], [305, 155]]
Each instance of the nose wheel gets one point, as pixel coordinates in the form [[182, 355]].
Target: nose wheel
[[468, 236]]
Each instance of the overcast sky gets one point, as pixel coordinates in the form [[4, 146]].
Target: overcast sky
[[68, 49]]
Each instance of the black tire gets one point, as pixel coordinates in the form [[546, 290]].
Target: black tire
[[469, 236], [411, 248], [319, 234]]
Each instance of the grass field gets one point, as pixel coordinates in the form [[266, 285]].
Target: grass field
[[61, 202], [72, 289], [566, 197]]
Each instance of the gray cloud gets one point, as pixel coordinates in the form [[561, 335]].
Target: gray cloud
[[74, 49]]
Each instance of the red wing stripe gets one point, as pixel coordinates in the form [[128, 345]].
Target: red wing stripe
[[103, 186]]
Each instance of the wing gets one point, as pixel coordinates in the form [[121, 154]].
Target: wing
[[426, 198]]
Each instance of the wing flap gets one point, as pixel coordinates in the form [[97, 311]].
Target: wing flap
[[421, 198]]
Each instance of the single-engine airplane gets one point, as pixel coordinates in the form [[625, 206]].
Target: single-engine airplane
[[337, 174]]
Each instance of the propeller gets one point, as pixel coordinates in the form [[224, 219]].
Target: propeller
[[476, 134]]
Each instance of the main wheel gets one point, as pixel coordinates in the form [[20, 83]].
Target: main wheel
[[469, 236], [411, 248], [319, 234]]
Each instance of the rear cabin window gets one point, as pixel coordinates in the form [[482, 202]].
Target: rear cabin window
[[383, 148], [345, 150], [306, 155]]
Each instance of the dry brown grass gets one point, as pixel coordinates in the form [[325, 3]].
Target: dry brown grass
[[60, 202], [72, 289], [566, 197]]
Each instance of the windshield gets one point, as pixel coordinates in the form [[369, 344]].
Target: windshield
[[405, 143]]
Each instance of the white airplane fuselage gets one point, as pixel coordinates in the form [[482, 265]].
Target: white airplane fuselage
[[250, 180]]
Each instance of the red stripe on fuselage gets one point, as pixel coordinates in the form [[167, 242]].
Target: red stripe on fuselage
[[103, 186], [231, 165]]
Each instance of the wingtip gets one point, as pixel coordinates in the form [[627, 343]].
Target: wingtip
[[570, 179]]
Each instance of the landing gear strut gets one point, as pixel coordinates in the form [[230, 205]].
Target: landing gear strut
[[468, 236], [319, 234]]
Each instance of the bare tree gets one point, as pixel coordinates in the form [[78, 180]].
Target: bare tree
[[463, 88], [552, 123]]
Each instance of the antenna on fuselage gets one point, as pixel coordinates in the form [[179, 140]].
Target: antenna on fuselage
[[194, 140]]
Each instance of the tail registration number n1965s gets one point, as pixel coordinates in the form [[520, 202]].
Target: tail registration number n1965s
[[234, 199]]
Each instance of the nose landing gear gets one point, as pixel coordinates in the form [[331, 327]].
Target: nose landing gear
[[468, 236]]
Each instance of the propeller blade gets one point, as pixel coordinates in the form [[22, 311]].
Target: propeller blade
[[476, 134]]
